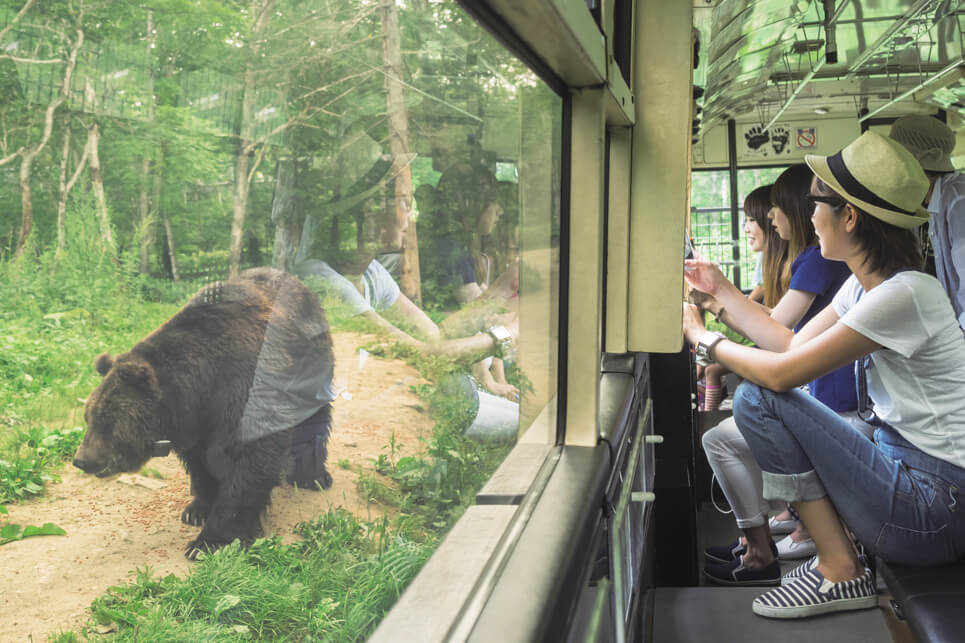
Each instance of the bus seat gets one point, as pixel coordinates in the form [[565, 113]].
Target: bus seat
[[930, 599]]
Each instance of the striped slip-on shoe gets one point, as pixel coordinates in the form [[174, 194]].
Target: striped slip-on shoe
[[800, 570], [813, 594]]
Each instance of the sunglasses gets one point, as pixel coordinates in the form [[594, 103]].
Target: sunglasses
[[833, 201]]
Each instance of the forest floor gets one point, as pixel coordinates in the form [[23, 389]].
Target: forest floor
[[120, 524]]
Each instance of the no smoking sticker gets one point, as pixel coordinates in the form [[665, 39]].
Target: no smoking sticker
[[807, 138]]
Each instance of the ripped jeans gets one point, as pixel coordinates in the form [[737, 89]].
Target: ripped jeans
[[902, 504]]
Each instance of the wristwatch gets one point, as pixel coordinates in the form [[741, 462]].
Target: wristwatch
[[503, 342], [704, 345]]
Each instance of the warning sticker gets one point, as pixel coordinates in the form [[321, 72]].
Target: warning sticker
[[806, 139]]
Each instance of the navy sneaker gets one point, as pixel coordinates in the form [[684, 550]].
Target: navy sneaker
[[734, 573], [730, 553]]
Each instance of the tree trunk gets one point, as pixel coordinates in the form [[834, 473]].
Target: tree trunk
[[62, 191], [65, 187], [96, 178], [30, 152], [261, 16], [398, 124], [143, 215], [97, 181], [285, 214], [26, 202], [146, 227], [239, 207], [172, 257]]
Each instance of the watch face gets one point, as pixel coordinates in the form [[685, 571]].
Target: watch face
[[500, 333]]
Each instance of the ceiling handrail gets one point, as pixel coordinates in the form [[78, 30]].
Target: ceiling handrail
[[896, 29]]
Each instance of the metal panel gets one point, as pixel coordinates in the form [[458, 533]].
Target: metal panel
[[586, 273], [448, 579], [661, 168], [562, 33], [618, 241]]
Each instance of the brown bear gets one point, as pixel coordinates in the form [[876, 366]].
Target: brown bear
[[237, 382]]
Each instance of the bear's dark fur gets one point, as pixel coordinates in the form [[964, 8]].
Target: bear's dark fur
[[188, 382]]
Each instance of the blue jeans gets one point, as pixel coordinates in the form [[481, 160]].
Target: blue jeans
[[902, 504]]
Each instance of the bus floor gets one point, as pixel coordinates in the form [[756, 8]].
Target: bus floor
[[711, 613]]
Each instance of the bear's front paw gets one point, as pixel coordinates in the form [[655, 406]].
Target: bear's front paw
[[195, 513]]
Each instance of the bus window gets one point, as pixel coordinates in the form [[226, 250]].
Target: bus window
[[392, 158]]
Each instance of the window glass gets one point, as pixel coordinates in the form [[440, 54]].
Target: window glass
[[710, 219], [317, 243]]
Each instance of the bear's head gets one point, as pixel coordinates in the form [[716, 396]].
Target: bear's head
[[123, 417]]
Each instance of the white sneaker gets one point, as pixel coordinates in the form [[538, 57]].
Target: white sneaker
[[787, 549], [778, 527]]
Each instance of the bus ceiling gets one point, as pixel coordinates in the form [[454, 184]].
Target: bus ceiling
[[778, 67]]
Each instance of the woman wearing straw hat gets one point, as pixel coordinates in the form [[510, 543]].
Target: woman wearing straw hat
[[898, 494]]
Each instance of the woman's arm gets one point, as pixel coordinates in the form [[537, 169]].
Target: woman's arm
[[405, 308], [792, 307], [814, 354], [746, 317], [465, 347], [757, 294]]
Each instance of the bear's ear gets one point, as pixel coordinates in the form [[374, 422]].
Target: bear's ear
[[137, 373], [103, 363]]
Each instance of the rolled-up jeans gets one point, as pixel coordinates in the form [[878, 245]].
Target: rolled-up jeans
[[738, 473], [902, 504]]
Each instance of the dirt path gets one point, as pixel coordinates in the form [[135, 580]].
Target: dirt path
[[114, 527]]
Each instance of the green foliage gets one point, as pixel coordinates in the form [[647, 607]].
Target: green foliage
[[334, 584], [31, 456], [10, 532]]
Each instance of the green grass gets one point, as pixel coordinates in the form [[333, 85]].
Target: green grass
[[333, 585], [336, 583]]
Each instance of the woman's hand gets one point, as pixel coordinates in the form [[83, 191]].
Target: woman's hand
[[507, 390], [693, 323], [704, 275]]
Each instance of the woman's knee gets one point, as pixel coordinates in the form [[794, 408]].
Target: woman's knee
[[718, 438], [746, 397]]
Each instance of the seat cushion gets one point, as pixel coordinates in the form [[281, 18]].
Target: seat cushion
[[931, 598]]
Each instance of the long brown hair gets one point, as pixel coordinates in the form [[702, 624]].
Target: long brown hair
[[756, 206], [790, 195]]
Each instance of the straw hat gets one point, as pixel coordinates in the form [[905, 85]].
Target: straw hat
[[879, 176], [928, 139]]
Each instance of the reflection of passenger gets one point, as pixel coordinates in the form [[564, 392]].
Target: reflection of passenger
[[462, 213], [464, 210], [369, 290]]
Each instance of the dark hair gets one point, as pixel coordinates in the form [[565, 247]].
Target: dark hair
[[887, 248], [790, 195], [756, 206]]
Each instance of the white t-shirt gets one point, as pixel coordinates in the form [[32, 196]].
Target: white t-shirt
[[380, 290], [917, 382]]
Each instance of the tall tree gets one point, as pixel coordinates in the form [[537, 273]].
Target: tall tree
[[261, 17], [398, 128], [28, 153], [96, 175], [66, 185]]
